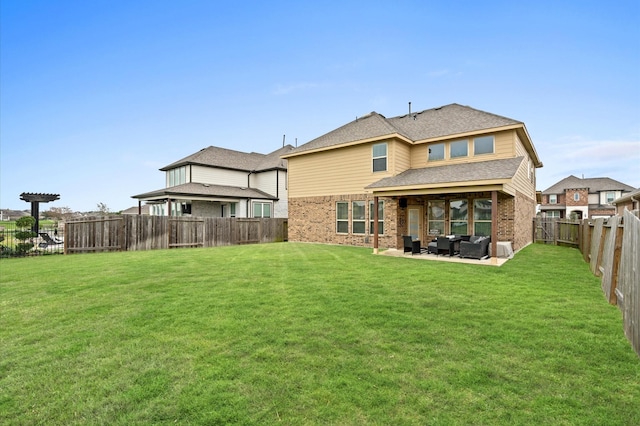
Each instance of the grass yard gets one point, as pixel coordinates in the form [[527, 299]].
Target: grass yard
[[310, 334]]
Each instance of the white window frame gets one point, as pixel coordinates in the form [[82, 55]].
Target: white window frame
[[340, 219], [262, 205], [439, 145], [553, 198], [360, 220], [464, 142], [380, 217], [477, 141], [376, 158]]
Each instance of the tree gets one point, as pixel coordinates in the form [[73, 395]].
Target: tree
[[102, 208], [25, 234], [58, 213]]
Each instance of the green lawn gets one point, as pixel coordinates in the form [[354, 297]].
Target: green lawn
[[310, 334]]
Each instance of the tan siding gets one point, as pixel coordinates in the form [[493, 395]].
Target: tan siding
[[340, 171], [503, 148], [523, 181], [401, 158]]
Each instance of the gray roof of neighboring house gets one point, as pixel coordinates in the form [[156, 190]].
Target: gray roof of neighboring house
[[592, 184], [483, 170], [206, 190], [431, 123], [214, 156]]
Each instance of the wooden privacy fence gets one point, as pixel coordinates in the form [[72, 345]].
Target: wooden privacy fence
[[611, 246], [132, 232], [557, 231]]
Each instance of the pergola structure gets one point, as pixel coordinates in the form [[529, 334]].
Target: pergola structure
[[35, 200]]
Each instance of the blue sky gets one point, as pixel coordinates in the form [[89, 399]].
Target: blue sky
[[96, 96]]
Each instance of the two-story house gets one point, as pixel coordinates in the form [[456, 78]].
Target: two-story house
[[219, 182], [446, 170], [581, 198]]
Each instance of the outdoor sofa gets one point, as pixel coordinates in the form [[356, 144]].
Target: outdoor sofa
[[476, 248]]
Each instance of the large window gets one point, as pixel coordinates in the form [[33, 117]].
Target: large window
[[482, 217], [483, 145], [261, 209], [553, 199], [177, 176], [436, 152], [379, 153], [459, 149], [342, 217], [435, 217], [357, 217], [459, 216], [380, 217]]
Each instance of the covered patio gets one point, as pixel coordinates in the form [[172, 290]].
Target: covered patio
[[474, 199]]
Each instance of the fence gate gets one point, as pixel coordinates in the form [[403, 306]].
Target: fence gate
[[186, 232], [554, 231]]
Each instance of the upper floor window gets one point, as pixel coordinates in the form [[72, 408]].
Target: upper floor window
[[610, 196], [483, 145], [261, 209], [576, 196], [177, 176], [553, 199], [436, 152], [459, 149], [379, 154]]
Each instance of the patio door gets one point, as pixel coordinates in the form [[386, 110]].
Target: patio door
[[414, 222]]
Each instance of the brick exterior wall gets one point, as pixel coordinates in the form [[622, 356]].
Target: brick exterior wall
[[584, 197], [313, 219], [525, 211]]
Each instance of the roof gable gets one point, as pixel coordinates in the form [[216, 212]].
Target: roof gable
[[592, 184], [446, 121], [214, 156]]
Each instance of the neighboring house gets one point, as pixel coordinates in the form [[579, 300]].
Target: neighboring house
[[138, 210], [630, 201], [446, 170], [577, 198], [219, 182]]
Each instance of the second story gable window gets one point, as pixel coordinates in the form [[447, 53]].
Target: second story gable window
[[483, 145], [379, 154], [576, 196], [459, 149], [610, 196], [553, 199], [177, 176], [436, 152]]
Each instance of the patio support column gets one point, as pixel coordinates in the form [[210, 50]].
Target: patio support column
[[375, 225], [494, 227], [139, 207], [169, 207]]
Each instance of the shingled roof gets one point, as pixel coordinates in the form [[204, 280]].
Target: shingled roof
[[482, 170], [443, 121], [592, 184], [214, 156], [200, 189]]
